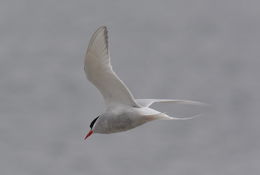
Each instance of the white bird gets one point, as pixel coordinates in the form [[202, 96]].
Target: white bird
[[123, 111]]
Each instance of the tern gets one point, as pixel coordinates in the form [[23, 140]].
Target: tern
[[123, 111]]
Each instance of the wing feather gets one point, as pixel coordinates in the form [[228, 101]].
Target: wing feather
[[99, 71]]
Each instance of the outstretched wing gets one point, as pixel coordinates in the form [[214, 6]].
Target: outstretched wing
[[149, 102], [99, 71]]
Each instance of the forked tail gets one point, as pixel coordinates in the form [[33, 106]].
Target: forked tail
[[163, 116]]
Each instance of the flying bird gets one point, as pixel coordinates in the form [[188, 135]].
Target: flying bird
[[123, 111]]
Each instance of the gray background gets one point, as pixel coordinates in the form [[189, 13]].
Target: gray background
[[191, 49]]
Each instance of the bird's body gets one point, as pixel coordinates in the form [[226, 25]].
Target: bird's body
[[123, 111], [125, 118]]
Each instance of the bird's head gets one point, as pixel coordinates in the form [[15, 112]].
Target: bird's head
[[92, 126]]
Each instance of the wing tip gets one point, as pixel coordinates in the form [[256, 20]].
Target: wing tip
[[101, 29]]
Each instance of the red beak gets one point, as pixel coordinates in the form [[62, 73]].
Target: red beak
[[89, 134]]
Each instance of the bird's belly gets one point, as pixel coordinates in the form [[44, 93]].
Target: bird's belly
[[122, 123]]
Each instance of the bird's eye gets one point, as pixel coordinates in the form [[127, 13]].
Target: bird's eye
[[93, 122]]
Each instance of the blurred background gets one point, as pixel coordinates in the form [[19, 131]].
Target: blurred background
[[202, 50]]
